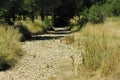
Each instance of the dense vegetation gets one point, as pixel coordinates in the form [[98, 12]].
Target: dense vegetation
[[61, 10]]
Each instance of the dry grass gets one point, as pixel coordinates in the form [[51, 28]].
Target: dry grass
[[68, 40], [36, 27], [29, 28], [101, 45], [10, 50]]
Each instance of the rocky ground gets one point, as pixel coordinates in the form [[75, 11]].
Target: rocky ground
[[46, 58]]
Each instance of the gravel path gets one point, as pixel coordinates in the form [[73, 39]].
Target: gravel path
[[45, 59]]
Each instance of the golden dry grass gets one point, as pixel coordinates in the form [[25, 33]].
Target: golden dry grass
[[101, 46], [36, 27], [10, 50]]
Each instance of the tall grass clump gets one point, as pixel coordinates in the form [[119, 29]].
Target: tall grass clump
[[10, 50], [35, 27], [29, 28], [101, 44], [26, 34]]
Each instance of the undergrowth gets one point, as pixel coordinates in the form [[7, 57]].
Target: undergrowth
[[101, 50], [10, 49]]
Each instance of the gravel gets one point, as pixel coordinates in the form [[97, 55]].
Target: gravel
[[43, 59]]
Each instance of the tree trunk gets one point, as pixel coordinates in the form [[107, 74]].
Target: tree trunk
[[32, 16], [42, 15]]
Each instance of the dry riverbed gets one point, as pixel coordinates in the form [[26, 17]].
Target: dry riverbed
[[46, 58]]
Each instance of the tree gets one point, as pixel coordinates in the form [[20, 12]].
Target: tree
[[114, 7], [9, 10], [3, 9], [46, 7], [64, 12]]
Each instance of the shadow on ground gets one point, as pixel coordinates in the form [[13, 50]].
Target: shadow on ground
[[50, 35], [42, 37], [4, 67]]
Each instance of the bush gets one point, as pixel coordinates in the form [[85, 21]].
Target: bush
[[112, 7], [116, 7], [96, 14], [48, 23], [10, 50]]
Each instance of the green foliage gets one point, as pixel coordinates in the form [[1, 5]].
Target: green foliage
[[115, 7], [48, 23], [112, 8], [2, 12], [96, 14], [95, 11], [12, 10], [10, 50]]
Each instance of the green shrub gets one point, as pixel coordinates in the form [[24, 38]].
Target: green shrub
[[116, 7], [10, 50], [96, 14], [48, 23], [112, 7], [2, 12]]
